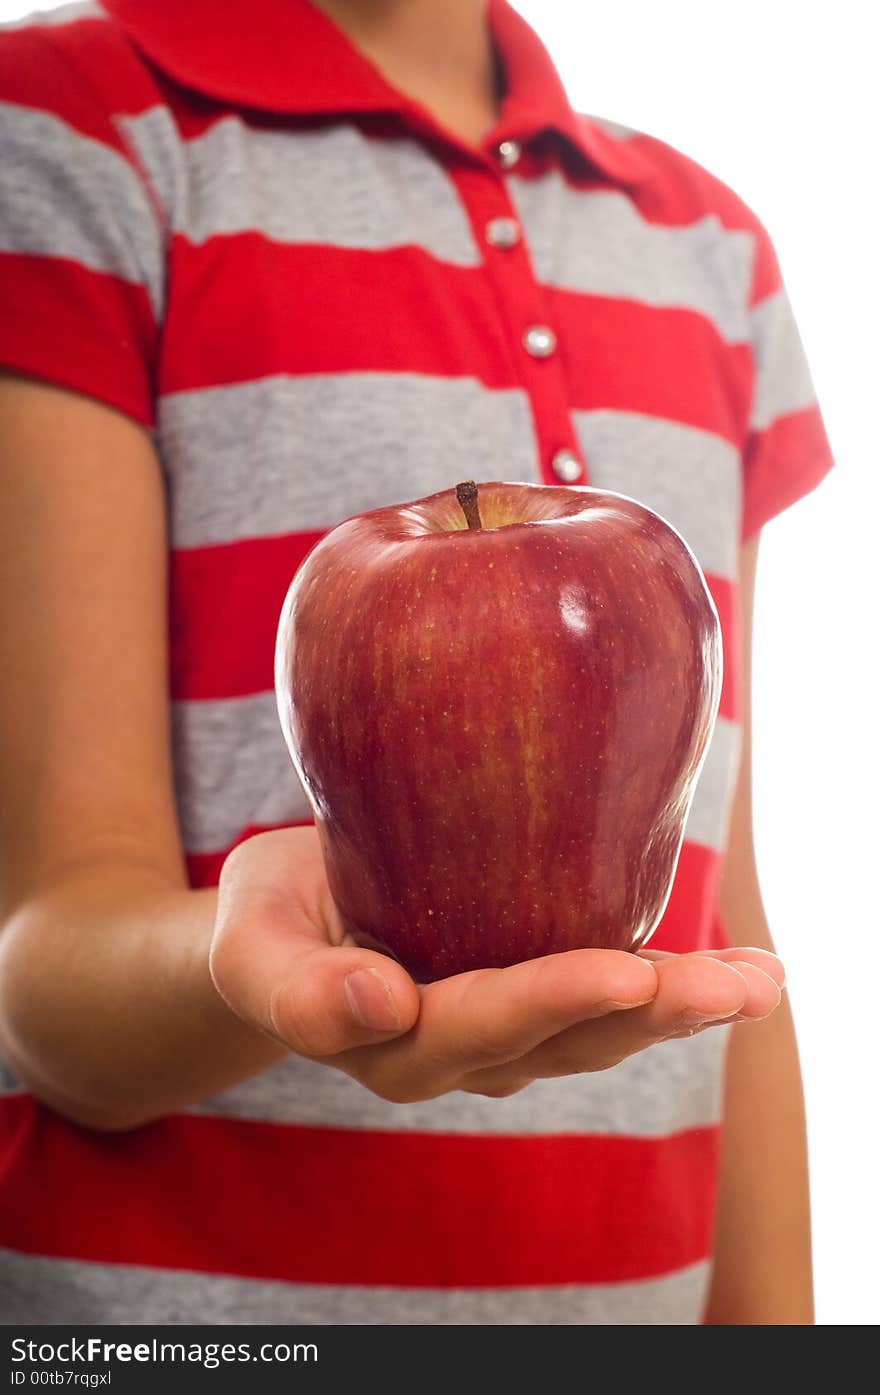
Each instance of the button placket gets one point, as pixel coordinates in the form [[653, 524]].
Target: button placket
[[503, 232], [508, 152], [525, 311], [539, 341], [566, 466]]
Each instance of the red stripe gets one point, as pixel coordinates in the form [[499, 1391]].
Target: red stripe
[[102, 345], [689, 921], [336, 310], [83, 72], [323, 310], [341, 1206], [203, 869], [782, 463], [662, 362], [224, 604]]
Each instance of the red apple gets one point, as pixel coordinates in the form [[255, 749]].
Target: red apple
[[498, 701]]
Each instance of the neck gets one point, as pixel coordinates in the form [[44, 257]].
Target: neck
[[438, 52]]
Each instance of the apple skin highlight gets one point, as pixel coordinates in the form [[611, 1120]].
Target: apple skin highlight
[[499, 728]]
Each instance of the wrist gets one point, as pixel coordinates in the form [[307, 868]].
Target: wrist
[[107, 1007]]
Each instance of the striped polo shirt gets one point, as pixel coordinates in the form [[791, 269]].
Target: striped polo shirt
[[223, 221]]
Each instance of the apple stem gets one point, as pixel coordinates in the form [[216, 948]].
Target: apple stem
[[466, 494]]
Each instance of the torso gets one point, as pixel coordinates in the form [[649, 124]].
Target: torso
[[341, 329]]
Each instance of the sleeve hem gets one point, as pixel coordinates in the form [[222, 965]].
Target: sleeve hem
[[85, 377], [790, 459], [78, 328]]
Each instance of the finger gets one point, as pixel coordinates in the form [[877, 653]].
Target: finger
[[764, 995], [498, 1083], [695, 990], [491, 1016], [681, 1009], [273, 962], [764, 992], [762, 959], [502, 1013]]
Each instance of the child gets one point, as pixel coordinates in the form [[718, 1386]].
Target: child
[[266, 267]]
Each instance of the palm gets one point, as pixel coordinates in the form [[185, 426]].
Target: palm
[[281, 960]]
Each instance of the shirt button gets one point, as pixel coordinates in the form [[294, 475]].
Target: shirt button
[[509, 152], [539, 341], [502, 232], [566, 466]]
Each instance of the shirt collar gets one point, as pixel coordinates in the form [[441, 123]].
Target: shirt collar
[[286, 56]]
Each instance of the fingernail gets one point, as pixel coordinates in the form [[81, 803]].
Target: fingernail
[[371, 1001], [749, 970], [753, 1016], [614, 1005], [696, 1019], [770, 955]]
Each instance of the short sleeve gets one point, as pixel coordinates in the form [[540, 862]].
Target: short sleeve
[[787, 452], [81, 245]]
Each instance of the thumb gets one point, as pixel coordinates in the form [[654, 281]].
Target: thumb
[[332, 999], [273, 963]]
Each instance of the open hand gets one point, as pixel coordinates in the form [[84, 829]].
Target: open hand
[[281, 961]]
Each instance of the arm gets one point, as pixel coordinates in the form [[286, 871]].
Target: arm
[[106, 1003], [762, 1269], [123, 994]]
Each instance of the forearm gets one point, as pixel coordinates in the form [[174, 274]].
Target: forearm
[[763, 1271], [107, 1007]]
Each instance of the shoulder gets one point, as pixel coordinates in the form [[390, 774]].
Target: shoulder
[[75, 64], [671, 188]]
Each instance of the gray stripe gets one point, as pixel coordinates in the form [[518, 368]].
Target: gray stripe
[[597, 242], [62, 14], [333, 185], [668, 1088], [708, 817], [35, 1289], [289, 454], [673, 1086], [613, 128], [157, 149], [231, 769], [782, 374], [691, 477], [65, 195]]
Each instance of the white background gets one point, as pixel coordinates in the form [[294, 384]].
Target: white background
[[776, 98]]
